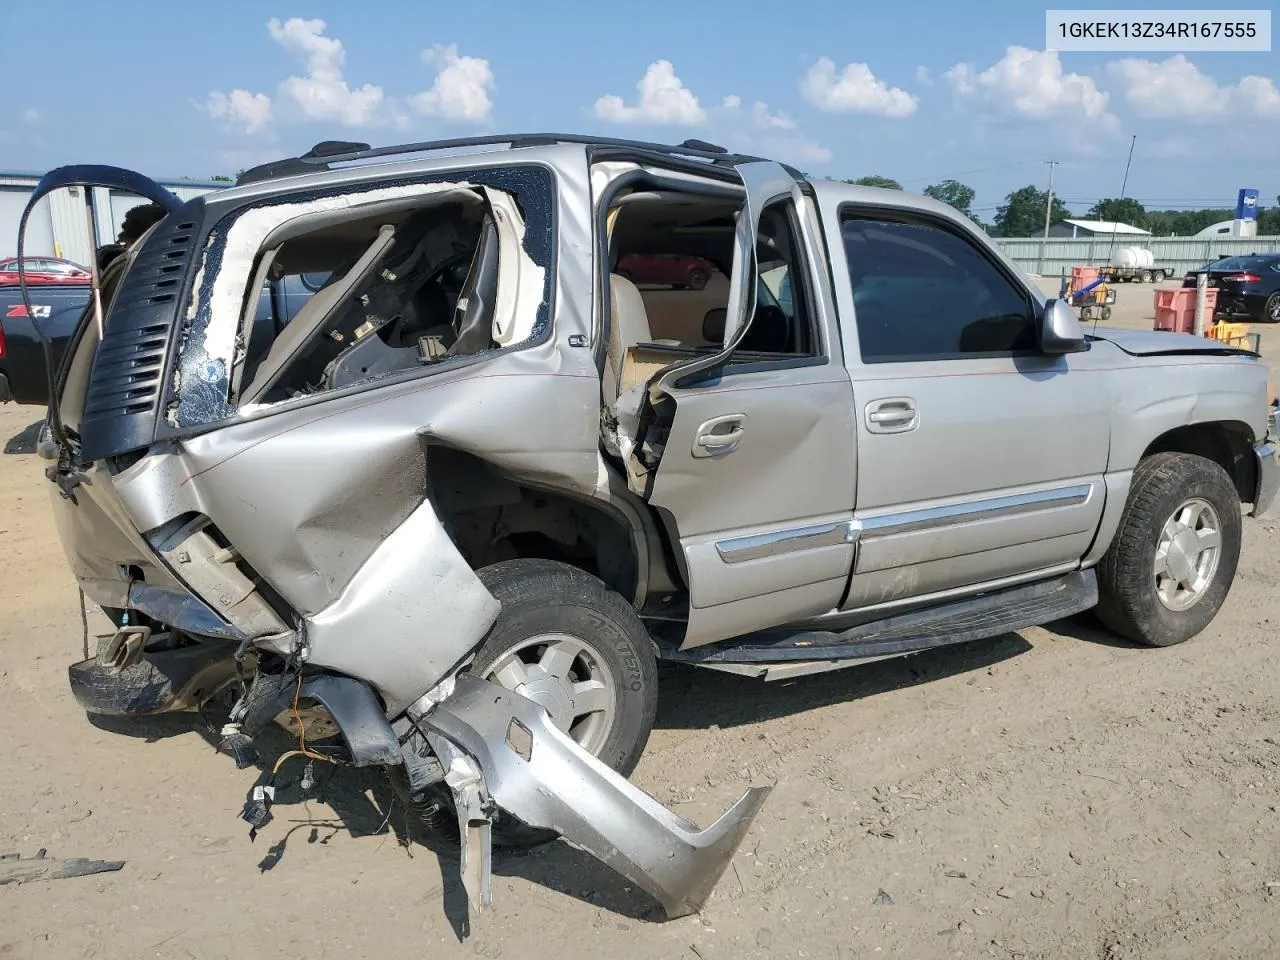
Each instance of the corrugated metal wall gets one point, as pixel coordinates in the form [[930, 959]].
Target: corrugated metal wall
[[58, 226], [1174, 254]]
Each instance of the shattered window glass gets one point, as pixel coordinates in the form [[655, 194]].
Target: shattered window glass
[[300, 296]]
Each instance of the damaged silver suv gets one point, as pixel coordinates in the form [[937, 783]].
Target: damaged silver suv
[[450, 507]]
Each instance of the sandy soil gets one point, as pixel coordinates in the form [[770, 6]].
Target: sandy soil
[[1052, 794]]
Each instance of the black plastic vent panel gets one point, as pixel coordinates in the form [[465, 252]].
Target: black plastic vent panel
[[125, 387]]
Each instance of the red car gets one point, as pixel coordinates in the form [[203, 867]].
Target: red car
[[682, 272], [44, 271]]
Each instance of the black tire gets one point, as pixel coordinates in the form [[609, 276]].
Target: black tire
[[1146, 276], [1271, 309], [1129, 603], [541, 597], [1160, 276]]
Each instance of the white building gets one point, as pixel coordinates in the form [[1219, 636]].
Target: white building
[[1095, 228], [58, 227]]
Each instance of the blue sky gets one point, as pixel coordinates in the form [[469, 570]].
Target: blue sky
[[916, 91]]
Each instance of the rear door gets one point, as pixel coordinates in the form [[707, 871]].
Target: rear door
[[756, 474], [980, 459]]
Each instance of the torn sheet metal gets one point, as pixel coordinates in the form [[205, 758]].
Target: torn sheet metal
[[544, 778], [520, 280]]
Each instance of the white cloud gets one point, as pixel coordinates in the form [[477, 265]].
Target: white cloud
[[461, 88], [762, 131], [1031, 84], [664, 99], [854, 89], [323, 93], [31, 115], [1176, 89], [250, 111]]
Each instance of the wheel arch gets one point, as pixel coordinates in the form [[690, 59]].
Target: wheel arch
[[1228, 443], [493, 516]]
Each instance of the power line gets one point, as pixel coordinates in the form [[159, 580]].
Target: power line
[[965, 173]]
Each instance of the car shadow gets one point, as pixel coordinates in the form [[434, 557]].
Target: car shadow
[[25, 441], [1085, 627], [694, 698], [364, 805]]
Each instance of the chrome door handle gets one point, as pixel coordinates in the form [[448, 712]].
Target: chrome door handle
[[894, 415], [713, 439]]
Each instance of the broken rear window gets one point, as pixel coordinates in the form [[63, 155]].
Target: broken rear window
[[299, 296]]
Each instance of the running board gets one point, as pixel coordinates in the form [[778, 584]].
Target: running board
[[973, 618]]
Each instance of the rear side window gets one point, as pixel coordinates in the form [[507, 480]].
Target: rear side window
[[924, 292]]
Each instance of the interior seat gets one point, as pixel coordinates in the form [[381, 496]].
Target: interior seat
[[628, 326]]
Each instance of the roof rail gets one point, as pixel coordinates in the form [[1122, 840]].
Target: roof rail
[[329, 152]]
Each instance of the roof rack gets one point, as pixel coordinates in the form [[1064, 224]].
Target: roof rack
[[329, 152]]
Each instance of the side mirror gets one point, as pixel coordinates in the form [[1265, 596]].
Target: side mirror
[[1060, 330]]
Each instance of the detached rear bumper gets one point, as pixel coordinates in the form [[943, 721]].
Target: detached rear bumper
[[1268, 454]]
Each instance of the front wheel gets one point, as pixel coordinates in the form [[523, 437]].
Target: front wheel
[[1169, 569], [569, 643]]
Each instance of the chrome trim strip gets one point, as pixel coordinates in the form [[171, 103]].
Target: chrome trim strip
[[825, 620], [995, 508], [774, 544]]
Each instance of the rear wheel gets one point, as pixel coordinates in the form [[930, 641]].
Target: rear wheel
[[1160, 276], [1169, 569], [566, 641], [1146, 276]]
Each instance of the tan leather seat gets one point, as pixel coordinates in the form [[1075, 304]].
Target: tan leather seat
[[628, 325]]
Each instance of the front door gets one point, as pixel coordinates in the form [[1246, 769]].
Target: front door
[[756, 474], [981, 460]]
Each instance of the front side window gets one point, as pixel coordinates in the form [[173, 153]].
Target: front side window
[[923, 292]]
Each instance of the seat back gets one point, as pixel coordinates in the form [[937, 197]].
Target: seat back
[[628, 325]]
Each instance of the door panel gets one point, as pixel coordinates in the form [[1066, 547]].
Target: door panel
[[772, 516], [757, 469], [978, 457]]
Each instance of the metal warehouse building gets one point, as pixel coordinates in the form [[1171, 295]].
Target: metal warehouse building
[[57, 227]]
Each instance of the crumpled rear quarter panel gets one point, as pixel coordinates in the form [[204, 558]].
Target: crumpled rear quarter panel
[[328, 501]]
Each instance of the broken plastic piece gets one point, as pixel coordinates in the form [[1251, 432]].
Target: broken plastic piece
[[257, 809], [120, 651], [549, 782], [475, 822]]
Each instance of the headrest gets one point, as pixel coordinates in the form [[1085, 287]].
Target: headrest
[[713, 325]]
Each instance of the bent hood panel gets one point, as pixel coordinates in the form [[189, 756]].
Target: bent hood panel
[[1154, 343]]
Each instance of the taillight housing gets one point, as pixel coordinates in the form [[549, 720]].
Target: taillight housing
[[1242, 278]]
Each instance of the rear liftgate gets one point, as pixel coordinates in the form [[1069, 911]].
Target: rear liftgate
[[499, 749]]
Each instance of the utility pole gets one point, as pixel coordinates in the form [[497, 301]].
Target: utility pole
[[1048, 207]]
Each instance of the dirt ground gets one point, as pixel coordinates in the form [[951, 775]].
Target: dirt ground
[[1057, 793]]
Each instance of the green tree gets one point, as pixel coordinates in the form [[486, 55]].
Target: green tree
[[952, 193], [1022, 213], [875, 180], [219, 178], [1115, 210]]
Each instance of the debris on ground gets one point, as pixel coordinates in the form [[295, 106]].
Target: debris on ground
[[17, 869]]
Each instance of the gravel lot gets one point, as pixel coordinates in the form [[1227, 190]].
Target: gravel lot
[[1056, 793]]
